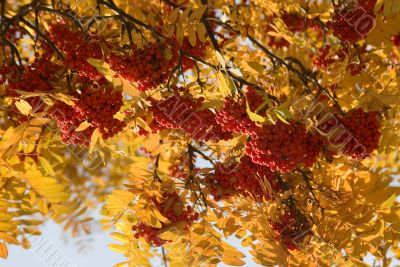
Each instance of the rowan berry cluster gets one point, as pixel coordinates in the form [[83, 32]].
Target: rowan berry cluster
[[67, 121], [34, 78], [295, 23], [284, 147], [199, 50], [364, 126], [233, 116], [355, 68], [148, 66], [97, 107], [357, 134], [245, 178], [179, 169], [15, 33], [77, 49], [293, 229], [182, 112], [39, 73], [326, 57], [172, 208], [353, 22]]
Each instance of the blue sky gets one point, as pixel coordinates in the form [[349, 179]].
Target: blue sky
[[68, 255], [66, 252]]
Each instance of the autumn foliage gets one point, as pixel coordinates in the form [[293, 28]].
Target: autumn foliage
[[201, 125]]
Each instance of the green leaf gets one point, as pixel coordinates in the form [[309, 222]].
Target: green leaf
[[281, 116], [256, 66]]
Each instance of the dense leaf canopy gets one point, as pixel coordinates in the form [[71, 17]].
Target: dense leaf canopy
[[193, 122]]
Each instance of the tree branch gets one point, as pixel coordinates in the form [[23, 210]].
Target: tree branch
[[208, 28], [230, 74]]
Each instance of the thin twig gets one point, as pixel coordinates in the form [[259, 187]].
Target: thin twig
[[164, 257]]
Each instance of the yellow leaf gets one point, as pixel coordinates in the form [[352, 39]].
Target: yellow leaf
[[121, 264], [153, 222], [179, 33], [171, 233], [221, 59], [119, 200], [174, 15], [192, 35], [359, 263], [42, 206], [7, 226], [94, 139], [24, 107], [159, 216], [184, 17], [389, 202], [201, 32], [32, 131], [12, 136], [67, 99], [122, 249], [46, 166], [39, 121], [254, 116], [83, 126], [120, 237], [143, 124], [3, 250], [230, 251], [4, 216], [198, 13], [47, 187], [233, 261], [102, 67], [27, 94], [256, 66], [387, 99], [8, 238], [225, 84]]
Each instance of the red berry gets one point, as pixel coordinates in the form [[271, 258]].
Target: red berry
[[353, 23], [284, 147], [182, 112], [245, 178]]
